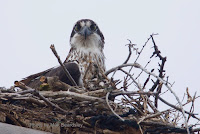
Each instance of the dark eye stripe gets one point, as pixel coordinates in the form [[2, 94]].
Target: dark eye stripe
[[77, 27], [97, 30], [93, 27]]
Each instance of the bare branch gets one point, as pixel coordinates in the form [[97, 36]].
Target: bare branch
[[116, 93], [165, 83], [138, 86], [144, 47], [120, 66], [65, 70], [35, 92], [130, 45], [177, 108], [77, 96], [112, 109]]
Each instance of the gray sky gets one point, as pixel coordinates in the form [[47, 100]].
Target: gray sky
[[27, 28]]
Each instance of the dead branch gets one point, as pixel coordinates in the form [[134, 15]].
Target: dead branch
[[130, 45], [177, 108], [30, 100], [163, 60], [151, 116], [139, 53], [142, 71], [80, 97], [116, 93], [65, 70], [111, 108], [119, 67], [138, 86], [166, 84], [35, 92]]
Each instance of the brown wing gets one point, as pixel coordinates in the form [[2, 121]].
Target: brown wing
[[34, 80]]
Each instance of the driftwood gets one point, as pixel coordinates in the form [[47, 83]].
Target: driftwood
[[109, 106]]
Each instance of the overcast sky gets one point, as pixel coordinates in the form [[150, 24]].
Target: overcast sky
[[28, 27]]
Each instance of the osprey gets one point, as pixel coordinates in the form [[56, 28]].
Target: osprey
[[85, 59]]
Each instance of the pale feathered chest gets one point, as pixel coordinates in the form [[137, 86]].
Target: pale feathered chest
[[90, 62]]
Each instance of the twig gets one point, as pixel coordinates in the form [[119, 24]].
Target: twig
[[158, 92], [151, 116], [130, 52], [49, 102], [139, 53], [30, 99], [77, 96], [144, 46], [65, 70], [35, 92], [130, 45], [139, 111], [163, 59], [26, 91], [136, 65], [147, 80], [192, 106], [142, 71], [112, 109], [120, 66], [177, 108], [138, 86], [165, 83], [116, 93], [140, 129]]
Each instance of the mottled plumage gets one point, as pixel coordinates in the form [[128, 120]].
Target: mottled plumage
[[87, 43], [85, 58]]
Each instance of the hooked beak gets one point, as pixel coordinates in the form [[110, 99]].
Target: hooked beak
[[85, 31]]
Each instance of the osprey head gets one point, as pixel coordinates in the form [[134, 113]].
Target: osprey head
[[86, 34]]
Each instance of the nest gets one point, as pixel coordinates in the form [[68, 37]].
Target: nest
[[58, 108]]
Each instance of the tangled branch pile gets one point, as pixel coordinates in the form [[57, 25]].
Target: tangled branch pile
[[60, 108]]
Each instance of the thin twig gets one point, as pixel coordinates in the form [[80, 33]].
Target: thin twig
[[144, 46], [151, 116], [177, 108], [116, 93], [65, 70], [192, 106], [142, 71], [139, 53], [78, 96], [118, 67], [165, 83], [35, 92], [112, 109], [138, 86], [146, 97], [163, 60], [130, 52], [139, 111], [130, 45], [136, 65]]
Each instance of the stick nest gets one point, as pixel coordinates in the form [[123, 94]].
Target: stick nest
[[104, 105]]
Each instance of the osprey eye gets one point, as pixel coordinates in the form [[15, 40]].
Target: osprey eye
[[77, 28], [93, 27]]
